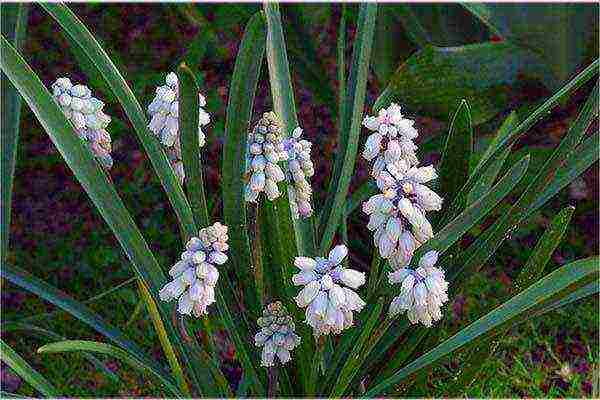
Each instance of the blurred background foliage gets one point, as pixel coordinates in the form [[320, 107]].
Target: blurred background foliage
[[428, 57]]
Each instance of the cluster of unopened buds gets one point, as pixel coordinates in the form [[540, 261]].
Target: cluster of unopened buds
[[299, 170], [328, 293], [277, 335], [397, 214], [164, 121], [195, 275], [265, 152], [86, 115]]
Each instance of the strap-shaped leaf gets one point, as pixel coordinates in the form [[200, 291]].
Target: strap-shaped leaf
[[46, 334], [239, 112], [516, 133], [113, 351], [25, 371], [282, 93], [87, 171], [163, 337], [500, 317], [435, 78], [98, 57], [454, 167], [547, 182], [534, 267], [52, 295], [355, 103], [14, 25], [487, 178], [358, 353], [190, 148]]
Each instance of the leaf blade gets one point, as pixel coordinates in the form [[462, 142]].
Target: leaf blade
[[25, 371], [500, 316], [355, 99], [113, 351]]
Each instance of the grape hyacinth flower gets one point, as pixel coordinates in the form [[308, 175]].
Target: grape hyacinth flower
[[423, 293], [390, 130], [265, 151], [397, 214], [276, 335], [329, 305], [300, 168], [164, 122], [195, 275], [86, 115]]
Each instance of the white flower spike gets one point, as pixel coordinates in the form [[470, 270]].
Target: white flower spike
[[392, 138], [276, 336], [423, 291], [195, 275], [328, 294], [164, 122], [397, 214], [299, 170], [86, 115], [265, 151]]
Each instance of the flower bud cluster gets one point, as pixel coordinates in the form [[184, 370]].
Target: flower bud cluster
[[299, 170], [329, 305], [195, 275], [276, 335], [423, 293], [265, 151], [397, 215], [164, 122], [86, 115]]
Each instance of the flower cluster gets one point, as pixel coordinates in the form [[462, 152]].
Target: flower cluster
[[164, 123], [276, 336], [300, 169], [390, 131], [329, 305], [397, 214], [424, 291], [265, 151], [195, 275], [86, 115]]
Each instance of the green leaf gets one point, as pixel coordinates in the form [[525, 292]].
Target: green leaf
[[543, 110], [475, 212], [25, 371], [357, 355], [190, 147], [450, 234], [534, 267], [46, 334], [282, 93], [434, 79], [306, 62], [482, 349], [239, 112], [415, 31], [547, 182], [546, 30], [163, 337], [52, 295], [98, 57], [355, 103], [113, 351], [454, 167], [487, 178], [499, 318], [87, 171], [14, 25]]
